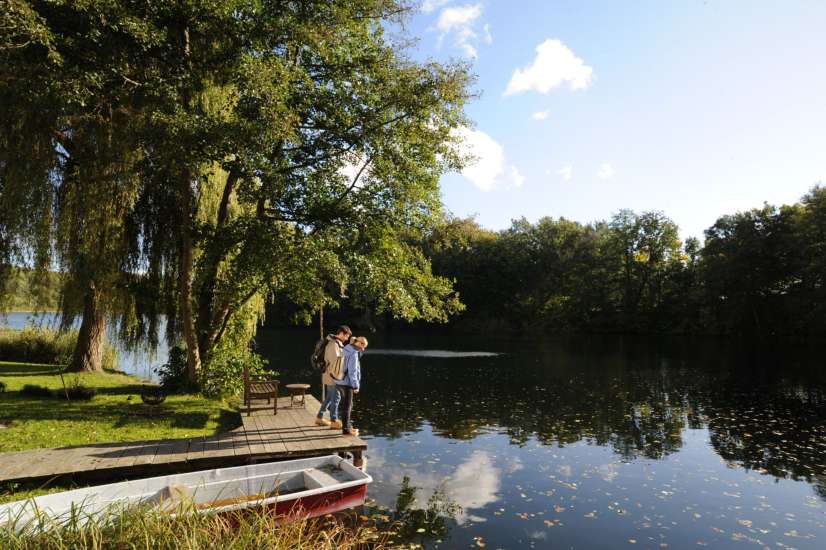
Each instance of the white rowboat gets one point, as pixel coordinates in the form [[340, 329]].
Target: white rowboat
[[306, 487]]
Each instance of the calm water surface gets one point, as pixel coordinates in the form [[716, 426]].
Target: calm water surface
[[592, 442], [585, 442]]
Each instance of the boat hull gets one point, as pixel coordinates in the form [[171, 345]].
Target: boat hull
[[301, 488], [320, 505]]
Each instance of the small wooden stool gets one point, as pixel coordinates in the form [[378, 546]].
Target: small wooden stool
[[297, 393]]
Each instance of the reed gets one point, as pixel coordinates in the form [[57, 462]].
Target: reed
[[148, 528]]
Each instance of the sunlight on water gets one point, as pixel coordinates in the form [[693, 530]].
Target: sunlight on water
[[435, 353]]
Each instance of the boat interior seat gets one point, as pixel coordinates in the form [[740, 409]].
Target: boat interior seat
[[315, 479]]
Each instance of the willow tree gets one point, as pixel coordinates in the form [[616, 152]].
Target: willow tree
[[70, 89], [298, 151]]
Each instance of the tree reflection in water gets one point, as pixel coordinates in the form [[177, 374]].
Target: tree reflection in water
[[408, 523], [764, 408]]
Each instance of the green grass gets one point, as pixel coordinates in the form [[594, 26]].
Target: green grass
[[255, 528], [115, 414]]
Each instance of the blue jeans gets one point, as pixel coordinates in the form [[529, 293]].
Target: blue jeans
[[331, 399]]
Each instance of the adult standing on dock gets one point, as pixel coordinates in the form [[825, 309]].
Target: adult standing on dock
[[351, 382], [332, 353]]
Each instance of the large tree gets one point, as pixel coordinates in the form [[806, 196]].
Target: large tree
[[298, 151], [203, 155], [70, 89]]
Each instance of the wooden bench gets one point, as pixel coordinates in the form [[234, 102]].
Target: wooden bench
[[260, 386]]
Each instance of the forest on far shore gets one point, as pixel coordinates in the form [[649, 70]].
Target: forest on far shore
[[762, 271]]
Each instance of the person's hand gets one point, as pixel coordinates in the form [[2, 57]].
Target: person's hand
[[355, 391]]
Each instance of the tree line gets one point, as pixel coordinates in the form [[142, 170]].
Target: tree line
[[761, 271], [188, 160]]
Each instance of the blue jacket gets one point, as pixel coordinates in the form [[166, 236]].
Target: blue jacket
[[352, 368]]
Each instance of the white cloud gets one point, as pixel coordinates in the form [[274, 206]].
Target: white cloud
[[566, 172], [489, 164], [516, 178], [555, 64], [430, 5], [488, 37], [540, 115], [475, 483], [460, 22], [606, 172], [487, 168]]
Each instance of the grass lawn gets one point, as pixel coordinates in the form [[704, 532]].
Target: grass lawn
[[115, 414]]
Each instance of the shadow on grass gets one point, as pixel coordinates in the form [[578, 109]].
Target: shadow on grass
[[228, 420], [27, 369], [117, 413]]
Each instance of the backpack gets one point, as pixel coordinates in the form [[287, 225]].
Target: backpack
[[317, 358]]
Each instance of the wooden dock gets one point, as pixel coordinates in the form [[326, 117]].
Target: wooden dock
[[263, 437]]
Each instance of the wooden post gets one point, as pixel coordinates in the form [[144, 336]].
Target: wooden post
[[321, 335]]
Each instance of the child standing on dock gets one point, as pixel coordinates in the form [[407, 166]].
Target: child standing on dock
[[351, 382], [332, 353]]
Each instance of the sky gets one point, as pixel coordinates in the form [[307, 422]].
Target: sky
[[694, 108]]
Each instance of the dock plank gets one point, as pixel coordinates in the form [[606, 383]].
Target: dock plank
[[262, 436]]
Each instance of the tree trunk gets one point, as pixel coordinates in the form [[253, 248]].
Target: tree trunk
[[88, 354], [193, 356]]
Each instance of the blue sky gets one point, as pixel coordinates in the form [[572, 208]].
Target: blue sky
[[695, 108]]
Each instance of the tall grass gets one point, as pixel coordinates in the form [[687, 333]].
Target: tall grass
[[148, 528], [52, 347]]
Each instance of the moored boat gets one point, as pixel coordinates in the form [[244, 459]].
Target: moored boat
[[306, 487]]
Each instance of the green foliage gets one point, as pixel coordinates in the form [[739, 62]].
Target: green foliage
[[206, 155], [760, 271], [173, 374], [29, 290], [35, 345], [2, 387], [223, 375]]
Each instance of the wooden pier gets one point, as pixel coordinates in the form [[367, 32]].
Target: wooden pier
[[263, 437]]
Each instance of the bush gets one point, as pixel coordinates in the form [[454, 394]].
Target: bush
[[173, 373], [223, 374], [36, 391], [52, 347], [80, 393], [2, 387]]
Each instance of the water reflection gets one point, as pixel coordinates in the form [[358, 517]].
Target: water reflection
[[680, 443]]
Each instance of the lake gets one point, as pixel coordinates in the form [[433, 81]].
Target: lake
[[592, 441], [586, 441], [135, 362]]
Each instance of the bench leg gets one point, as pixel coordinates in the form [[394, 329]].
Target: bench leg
[[275, 405]]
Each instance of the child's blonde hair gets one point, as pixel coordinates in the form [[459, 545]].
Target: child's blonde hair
[[361, 340]]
